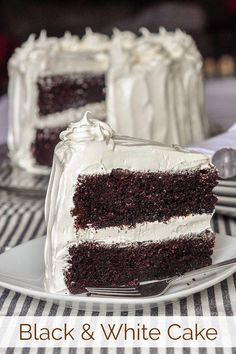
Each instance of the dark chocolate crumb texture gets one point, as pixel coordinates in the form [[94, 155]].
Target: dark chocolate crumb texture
[[44, 144], [57, 93], [96, 264], [125, 198]]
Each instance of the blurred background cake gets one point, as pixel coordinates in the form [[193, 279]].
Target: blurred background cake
[[211, 27], [147, 86]]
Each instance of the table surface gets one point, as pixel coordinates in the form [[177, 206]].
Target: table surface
[[22, 219]]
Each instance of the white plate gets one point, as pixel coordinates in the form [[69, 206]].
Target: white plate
[[227, 182], [227, 201], [226, 210], [225, 190], [22, 270]]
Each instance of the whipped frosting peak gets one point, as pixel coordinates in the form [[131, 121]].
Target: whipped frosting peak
[[87, 129], [93, 40]]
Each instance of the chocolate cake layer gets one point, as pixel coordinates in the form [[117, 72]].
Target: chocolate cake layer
[[94, 264], [57, 93], [125, 198], [44, 144]]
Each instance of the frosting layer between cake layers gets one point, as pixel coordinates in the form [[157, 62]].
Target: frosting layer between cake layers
[[90, 147]]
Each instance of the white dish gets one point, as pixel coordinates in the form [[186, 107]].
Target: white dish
[[225, 190], [226, 210], [227, 201], [22, 270]]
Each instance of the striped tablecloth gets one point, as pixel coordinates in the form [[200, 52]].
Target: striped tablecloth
[[22, 219]]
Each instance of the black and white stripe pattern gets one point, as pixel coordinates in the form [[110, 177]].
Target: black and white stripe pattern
[[23, 219]]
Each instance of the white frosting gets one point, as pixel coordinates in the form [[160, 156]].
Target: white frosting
[[150, 231], [40, 57], [128, 38], [155, 88], [91, 147]]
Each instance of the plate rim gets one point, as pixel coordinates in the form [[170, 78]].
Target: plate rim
[[55, 297]]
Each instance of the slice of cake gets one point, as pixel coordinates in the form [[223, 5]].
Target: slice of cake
[[52, 81], [121, 210]]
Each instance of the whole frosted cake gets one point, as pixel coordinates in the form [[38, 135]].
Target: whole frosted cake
[[121, 210], [155, 88]]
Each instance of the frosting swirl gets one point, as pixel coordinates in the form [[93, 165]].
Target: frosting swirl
[[127, 38], [87, 129], [39, 48], [94, 41]]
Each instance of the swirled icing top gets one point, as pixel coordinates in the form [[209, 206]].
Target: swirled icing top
[[172, 45], [149, 47], [36, 48], [87, 129], [179, 44], [94, 41]]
